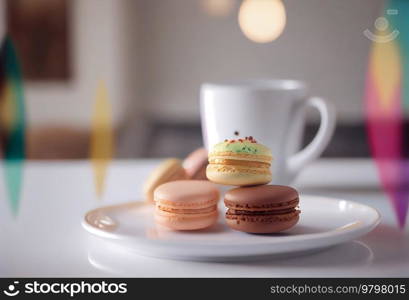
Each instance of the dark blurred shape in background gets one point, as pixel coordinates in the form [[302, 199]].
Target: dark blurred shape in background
[[40, 32]]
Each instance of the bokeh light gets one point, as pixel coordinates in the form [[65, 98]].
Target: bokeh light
[[218, 8], [262, 21]]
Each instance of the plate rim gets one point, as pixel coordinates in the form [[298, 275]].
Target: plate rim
[[334, 233]]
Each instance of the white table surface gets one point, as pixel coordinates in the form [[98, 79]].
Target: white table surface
[[46, 238]]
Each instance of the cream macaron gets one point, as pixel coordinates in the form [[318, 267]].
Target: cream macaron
[[240, 162], [186, 204]]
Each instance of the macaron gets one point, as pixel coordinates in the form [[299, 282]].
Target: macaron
[[169, 170], [195, 164], [262, 209], [186, 204], [240, 162]]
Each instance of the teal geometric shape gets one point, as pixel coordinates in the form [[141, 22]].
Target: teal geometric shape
[[13, 177], [399, 20], [14, 138]]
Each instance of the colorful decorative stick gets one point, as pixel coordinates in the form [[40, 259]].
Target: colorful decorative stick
[[387, 104], [12, 121], [102, 137]]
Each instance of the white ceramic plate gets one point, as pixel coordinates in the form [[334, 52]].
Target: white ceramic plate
[[324, 222]]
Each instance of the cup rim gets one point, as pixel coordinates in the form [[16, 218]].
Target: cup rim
[[260, 84]]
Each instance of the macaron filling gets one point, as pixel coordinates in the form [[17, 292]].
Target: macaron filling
[[193, 204], [187, 211], [237, 170], [268, 218], [236, 162], [264, 212], [262, 207]]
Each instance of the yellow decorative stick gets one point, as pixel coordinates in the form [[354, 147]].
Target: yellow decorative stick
[[102, 137]]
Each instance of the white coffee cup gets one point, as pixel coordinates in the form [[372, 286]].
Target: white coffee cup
[[271, 111]]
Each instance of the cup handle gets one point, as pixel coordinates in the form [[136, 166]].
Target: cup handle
[[315, 148]]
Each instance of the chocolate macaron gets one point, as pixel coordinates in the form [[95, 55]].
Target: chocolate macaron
[[262, 209]]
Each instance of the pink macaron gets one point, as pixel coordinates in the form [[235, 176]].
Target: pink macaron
[[195, 164], [186, 204]]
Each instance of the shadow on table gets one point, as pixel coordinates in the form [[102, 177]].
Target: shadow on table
[[386, 245], [127, 264], [390, 244], [336, 189], [344, 255]]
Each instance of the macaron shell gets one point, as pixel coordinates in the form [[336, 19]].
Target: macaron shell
[[262, 198], [177, 221], [237, 175], [169, 170], [189, 194], [262, 223]]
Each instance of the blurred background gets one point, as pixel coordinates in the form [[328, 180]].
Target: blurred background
[[153, 55]]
